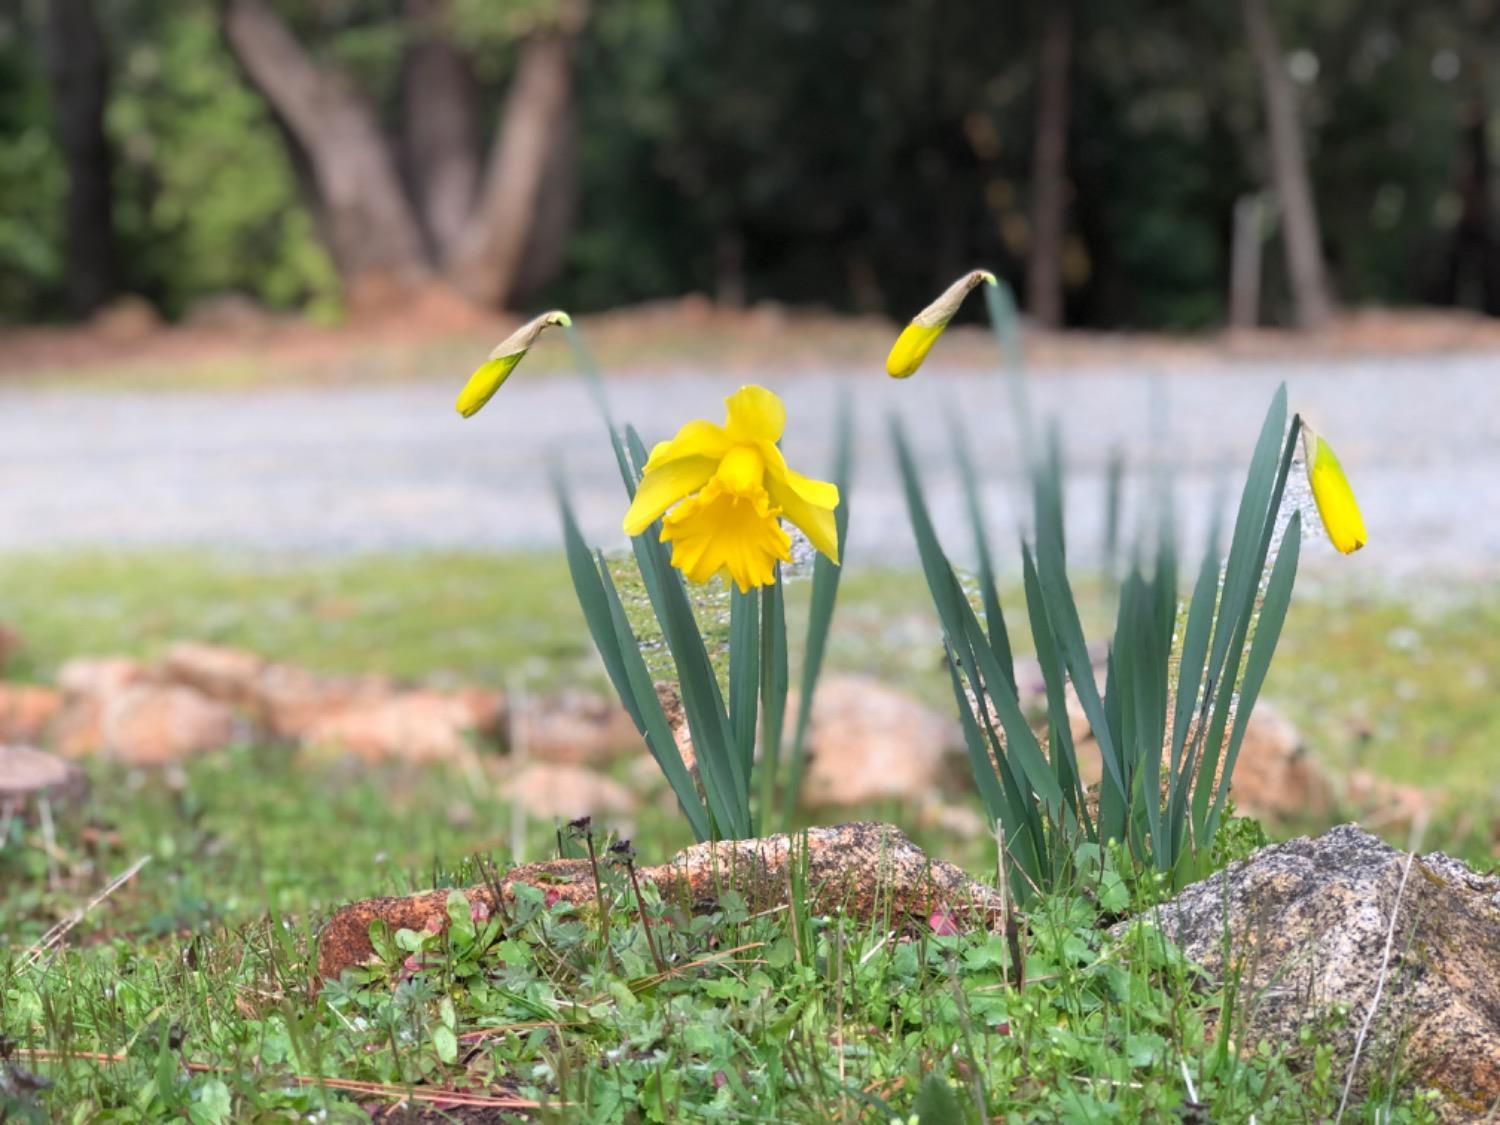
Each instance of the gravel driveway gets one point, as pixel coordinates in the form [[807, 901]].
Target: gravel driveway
[[346, 469]]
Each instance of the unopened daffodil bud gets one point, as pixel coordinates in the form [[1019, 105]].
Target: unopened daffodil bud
[[485, 381], [1332, 494], [917, 338]]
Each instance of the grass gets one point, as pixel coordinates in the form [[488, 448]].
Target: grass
[[184, 993], [1404, 687]]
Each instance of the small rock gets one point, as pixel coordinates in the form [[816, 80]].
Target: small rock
[[28, 775], [1311, 922], [230, 313], [671, 706], [127, 319], [1275, 778], [551, 789], [1385, 806], [77, 731], [26, 711], [97, 677], [153, 724], [230, 675], [961, 820], [577, 728], [89, 686], [866, 871], [869, 742], [10, 644], [292, 700], [414, 726]]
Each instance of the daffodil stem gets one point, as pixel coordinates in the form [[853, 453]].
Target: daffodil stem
[[772, 694]]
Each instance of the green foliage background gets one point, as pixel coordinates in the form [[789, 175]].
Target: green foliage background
[[847, 154]]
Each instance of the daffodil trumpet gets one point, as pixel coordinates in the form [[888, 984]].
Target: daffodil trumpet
[[491, 375], [917, 338], [1331, 492], [722, 492]]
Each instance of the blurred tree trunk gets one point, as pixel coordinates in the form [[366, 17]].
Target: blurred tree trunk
[[1472, 275], [369, 226], [547, 243], [78, 70], [1044, 296], [1299, 216], [487, 238], [487, 259], [439, 125]]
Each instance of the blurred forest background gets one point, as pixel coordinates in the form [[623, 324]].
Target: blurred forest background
[[1120, 161]]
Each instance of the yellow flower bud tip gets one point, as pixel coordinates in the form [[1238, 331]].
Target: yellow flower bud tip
[[917, 338], [491, 374], [910, 349], [1331, 492]]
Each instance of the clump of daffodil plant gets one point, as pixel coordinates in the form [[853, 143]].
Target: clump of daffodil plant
[[711, 504], [1178, 690]]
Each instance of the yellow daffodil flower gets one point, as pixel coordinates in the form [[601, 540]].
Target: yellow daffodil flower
[[1331, 491], [722, 491], [917, 338], [483, 384]]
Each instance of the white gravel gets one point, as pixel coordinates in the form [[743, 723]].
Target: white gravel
[[346, 468]]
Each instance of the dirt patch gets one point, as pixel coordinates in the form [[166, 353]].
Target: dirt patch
[[435, 333]]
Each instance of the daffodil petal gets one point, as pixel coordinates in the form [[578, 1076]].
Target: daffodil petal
[[742, 470], [819, 492], [806, 502], [664, 486], [816, 520], [485, 381], [911, 348], [755, 414], [695, 439], [1335, 499], [718, 532]]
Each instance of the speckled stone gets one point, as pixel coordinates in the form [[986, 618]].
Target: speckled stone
[[865, 870], [1308, 922]]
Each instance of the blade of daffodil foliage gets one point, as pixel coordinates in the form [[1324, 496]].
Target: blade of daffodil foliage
[[825, 589], [583, 361], [1159, 794], [720, 766], [916, 339], [1250, 543], [994, 615], [1005, 325], [744, 672], [490, 376], [620, 651], [1020, 790], [775, 681]]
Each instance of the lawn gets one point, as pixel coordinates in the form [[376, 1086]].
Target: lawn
[[1399, 684], [185, 992]]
